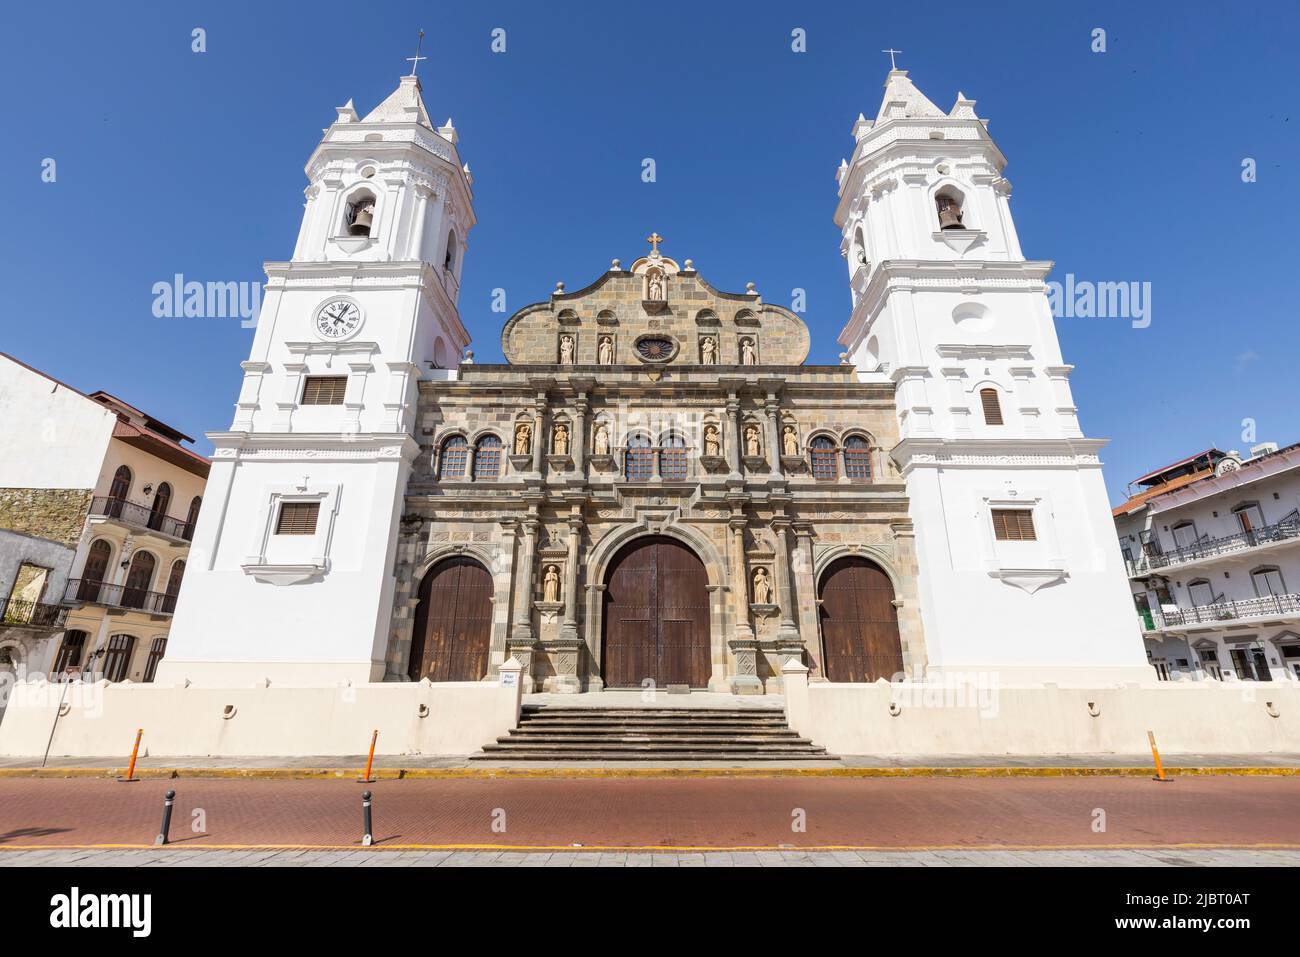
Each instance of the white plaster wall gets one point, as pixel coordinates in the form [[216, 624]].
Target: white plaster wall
[[53, 437], [231, 627], [1201, 718], [268, 721]]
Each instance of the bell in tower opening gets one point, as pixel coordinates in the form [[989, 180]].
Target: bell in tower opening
[[949, 212], [361, 217]]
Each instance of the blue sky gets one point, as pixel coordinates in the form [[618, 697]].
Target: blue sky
[[1126, 166]]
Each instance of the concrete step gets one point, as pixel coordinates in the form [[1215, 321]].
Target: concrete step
[[610, 747], [740, 741], [671, 757], [667, 726], [654, 715]]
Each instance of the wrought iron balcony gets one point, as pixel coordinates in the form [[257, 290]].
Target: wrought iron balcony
[[141, 516], [1269, 605], [1216, 547], [31, 614], [90, 592]]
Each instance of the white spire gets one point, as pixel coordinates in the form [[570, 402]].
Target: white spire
[[903, 100]]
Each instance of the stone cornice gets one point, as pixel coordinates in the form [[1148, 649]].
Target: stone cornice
[[911, 275], [312, 446], [1026, 453]]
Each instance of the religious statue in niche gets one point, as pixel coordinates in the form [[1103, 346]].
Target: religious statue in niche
[[600, 442], [566, 350], [762, 587], [752, 445], [560, 440], [656, 286], [748, 355], [606, 351], [551, 584], [789, 441], [523, 438], [708, 350], [712, 441]]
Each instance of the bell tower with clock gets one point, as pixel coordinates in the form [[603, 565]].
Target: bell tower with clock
[[300, 519]]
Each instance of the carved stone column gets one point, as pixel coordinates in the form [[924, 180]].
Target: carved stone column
[[569, 628], [773, 408], [743, 644], [805, 589], [581, 407], [523, 626], [787, 634], [736, 425]]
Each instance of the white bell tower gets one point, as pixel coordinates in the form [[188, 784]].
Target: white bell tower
[[1019, 570], [291, 572]]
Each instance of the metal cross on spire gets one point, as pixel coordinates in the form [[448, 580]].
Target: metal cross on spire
[[654, 239], [415, 60], [891, 51]]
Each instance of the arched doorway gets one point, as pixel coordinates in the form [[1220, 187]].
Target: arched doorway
[[656, 616], [859, 622], [453, 623]]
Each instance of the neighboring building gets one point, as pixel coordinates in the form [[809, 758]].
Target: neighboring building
[[1212, 545], [98, 502], [654, 487]]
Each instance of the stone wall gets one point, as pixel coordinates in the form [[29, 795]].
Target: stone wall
[[55, 514]]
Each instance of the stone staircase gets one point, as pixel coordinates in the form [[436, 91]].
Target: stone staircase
[[554, 733]]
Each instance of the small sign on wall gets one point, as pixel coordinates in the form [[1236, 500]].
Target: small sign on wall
[[509, 679]]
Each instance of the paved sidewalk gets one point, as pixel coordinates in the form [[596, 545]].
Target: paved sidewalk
[[349, 765], [178, 857]]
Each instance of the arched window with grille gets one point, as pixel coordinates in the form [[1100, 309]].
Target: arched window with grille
[[138, 579], [487, 459], [672, 458], [95, 571], [991, 406], [157, 649], [162, 500], [118, 491], [638, 460], [453, 457], [117, 663], [192, 518], [857, 459], [173, 585], [821, 450]]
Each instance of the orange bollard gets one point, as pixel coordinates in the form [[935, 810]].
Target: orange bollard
[[366, 778], [1155, 752], [135, 751]]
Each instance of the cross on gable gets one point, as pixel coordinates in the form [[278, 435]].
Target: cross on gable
[[415, 60], [891, 51], [654, 239]]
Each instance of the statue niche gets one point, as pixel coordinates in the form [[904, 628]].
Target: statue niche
[[523, 439]]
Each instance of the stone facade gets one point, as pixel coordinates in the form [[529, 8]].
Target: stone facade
[[56, 514], [725, 469]]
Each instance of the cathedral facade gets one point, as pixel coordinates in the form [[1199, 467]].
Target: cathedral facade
[[655, 490]]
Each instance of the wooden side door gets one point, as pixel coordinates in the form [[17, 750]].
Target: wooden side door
[[860, 638], [453, 623]]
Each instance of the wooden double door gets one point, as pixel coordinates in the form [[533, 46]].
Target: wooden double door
[[453, 623], [860, 640], [656, 616]]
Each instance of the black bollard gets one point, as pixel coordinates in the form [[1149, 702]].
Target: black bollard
[[368, 838], [167, 818]]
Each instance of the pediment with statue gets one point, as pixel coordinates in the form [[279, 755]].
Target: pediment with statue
[[655, 312]]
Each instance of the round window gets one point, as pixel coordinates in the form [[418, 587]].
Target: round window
[[656, 348]]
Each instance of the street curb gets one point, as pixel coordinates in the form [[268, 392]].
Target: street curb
[[452, 774]]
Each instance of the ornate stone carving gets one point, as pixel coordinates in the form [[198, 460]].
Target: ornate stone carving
[[606, 351], [566, 350], [551, 584], [523, 439], [762, 587]]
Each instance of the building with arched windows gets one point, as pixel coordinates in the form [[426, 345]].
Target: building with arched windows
[[654, 487], [96, 519]]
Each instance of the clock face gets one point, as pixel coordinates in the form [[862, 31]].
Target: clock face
[[338, 319]]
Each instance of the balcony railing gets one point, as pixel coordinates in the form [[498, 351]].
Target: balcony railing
[[1214, 547], [141, 517], [1232, 610], [88, 591], [31, 614]]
